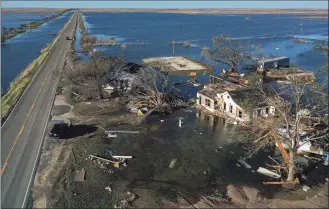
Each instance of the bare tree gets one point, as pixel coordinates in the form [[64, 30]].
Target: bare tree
[[150, 89], [89, 78], [226, 50], [287, 126]]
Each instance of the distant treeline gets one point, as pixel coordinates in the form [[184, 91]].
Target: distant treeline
[[11, 32]]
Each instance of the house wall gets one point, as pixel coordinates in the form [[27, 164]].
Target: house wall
[[262, 112], [211, 107], [225, 106]]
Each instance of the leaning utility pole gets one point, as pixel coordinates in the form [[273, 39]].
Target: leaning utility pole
[[173, 48]]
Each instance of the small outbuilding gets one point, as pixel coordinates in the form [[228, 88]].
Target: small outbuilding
[[277, 62]]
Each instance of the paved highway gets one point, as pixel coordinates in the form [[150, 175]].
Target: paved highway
[[23, 132]]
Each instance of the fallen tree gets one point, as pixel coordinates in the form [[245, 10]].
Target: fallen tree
[[150, 89]]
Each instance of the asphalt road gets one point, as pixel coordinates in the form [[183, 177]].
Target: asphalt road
[[22, 133]]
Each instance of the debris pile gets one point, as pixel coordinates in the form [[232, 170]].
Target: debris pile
[[129, 197]]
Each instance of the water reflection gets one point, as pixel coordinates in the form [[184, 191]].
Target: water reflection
[[221, 132]]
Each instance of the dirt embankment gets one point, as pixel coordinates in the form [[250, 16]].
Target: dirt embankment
[[215, 11]]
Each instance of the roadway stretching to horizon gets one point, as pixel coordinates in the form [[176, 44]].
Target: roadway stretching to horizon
[[23, 132]]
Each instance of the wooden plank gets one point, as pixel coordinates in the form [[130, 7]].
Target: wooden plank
[[281, 148], [128, 132], [115, 164], [282, 182]]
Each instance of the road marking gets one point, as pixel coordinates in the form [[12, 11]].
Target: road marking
[[23, 125]]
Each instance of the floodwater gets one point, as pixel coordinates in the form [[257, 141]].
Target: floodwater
[[156, 30], [15, 19], [22, 49]]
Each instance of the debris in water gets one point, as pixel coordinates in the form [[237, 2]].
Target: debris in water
[[172, 163], [180, 122], [237, 164]]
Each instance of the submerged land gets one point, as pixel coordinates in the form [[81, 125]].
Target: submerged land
[[8, 33], [215, 11], [105, 148]]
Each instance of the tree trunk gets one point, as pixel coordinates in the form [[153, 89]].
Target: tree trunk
[[100, 92], [291, 166]]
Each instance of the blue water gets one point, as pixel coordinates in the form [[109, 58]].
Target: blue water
[[157, 29], [15, 19], [21, 50]]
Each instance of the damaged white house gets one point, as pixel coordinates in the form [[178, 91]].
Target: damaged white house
[[241, 104]]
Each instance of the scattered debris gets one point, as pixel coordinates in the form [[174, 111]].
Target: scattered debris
[[283, 182], [126, 132], [79, 175], [108, 189], [244, 163], [115, 164], [110, 135], [172, 163], [161, 121], [238, 165], [306, 188], [128, 198], [267, 172]]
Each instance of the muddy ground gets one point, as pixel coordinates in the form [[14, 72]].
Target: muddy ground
[[205, 149]]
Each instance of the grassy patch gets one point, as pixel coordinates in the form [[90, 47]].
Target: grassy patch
[[18, 85]]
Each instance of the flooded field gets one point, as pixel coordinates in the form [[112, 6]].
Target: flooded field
[[22, 49], [15, 19]]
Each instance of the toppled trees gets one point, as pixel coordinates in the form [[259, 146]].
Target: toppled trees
[[87, 79], [286, 129], [150, 89]]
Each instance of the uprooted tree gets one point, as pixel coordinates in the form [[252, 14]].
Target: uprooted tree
[[87, 79], [226, 50], [150, 89], [287, 128]]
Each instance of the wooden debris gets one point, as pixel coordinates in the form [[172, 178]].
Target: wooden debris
[[115, 164], [283, 182], [172, 163], [127, 132], [122, 157], [267, 172], [244, 163], [79, 175]]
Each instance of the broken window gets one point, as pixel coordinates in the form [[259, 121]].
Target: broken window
[[259, 112], [208, 102]]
